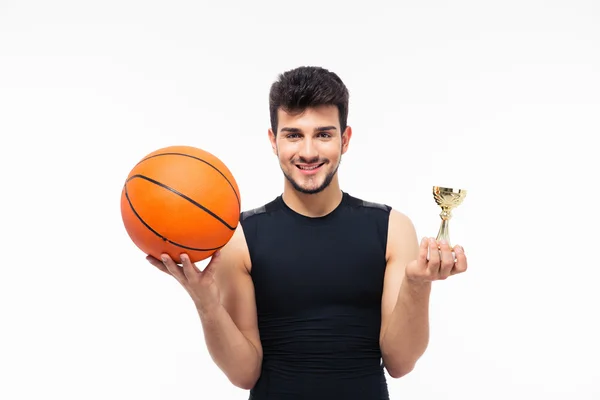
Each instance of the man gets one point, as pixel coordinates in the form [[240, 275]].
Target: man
[[317, 291]]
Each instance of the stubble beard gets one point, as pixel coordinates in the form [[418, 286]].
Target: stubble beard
[[326, 182]]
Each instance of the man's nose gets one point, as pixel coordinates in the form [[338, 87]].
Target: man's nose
[[308, 150]]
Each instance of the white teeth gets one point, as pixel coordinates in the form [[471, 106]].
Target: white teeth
[[308, 168]]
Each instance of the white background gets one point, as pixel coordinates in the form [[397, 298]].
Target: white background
[[501, 98]]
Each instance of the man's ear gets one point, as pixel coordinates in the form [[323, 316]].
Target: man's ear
[[346, 136], [273, 140]]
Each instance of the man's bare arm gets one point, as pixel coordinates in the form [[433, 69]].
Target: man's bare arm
[[230, 328], [405, 305]]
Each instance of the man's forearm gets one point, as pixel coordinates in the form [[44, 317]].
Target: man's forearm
[[233, 353], [407, 335]]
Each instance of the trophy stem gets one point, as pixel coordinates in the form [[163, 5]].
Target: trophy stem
[[443, 233]]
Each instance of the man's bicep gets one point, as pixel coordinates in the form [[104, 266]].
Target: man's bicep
[[402, 248], [236, 287]]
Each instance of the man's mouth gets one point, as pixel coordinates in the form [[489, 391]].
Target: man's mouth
[[309, 167]]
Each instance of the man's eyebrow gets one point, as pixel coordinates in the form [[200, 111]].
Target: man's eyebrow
[[318, 129], [326, 128], [292, 130]]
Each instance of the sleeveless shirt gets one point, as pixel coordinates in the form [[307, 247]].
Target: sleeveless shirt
[[318, 285]]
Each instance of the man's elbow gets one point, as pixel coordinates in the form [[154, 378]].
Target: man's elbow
[[400, 371], [399, 365], [245, 378], [247, 384], [244, 382]]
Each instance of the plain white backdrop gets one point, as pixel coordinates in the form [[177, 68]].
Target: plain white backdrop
[[499, 98]]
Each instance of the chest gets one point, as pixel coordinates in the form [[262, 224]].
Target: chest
[[311, 267]]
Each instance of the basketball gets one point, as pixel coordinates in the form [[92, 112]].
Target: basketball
[[180, 199]]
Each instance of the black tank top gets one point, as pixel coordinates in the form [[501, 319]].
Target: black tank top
[[318, 285]]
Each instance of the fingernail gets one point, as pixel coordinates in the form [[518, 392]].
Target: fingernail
[[183, 257], [443, 242], [459, 249], [424, 240], [163, 258]]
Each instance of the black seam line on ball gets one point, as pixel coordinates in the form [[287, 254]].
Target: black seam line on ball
[[161, 236], [201, 160], [194, 202]]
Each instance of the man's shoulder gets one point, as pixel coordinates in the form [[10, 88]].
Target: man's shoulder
[[360, 202], [260, 210], [395, 217]]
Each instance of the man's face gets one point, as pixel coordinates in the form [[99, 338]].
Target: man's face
[[310, 147]]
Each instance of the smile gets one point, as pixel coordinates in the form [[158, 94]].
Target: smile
[[309, 167], [312, 168]]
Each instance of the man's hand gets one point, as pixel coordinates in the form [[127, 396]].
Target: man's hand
[[440, 264], [200, 285]]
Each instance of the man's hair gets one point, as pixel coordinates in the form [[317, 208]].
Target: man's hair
[[306, 87]]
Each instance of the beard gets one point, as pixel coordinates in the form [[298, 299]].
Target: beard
[[298, 187]]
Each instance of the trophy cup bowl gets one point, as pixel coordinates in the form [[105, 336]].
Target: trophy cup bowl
[[448, 199]]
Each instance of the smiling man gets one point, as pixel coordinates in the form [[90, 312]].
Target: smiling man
[[318, 292]]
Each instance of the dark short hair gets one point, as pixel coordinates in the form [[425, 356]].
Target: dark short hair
[[305, 87]]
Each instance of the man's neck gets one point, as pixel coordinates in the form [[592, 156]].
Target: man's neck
[[313, 205]]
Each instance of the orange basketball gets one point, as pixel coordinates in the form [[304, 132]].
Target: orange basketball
[[180, 199]]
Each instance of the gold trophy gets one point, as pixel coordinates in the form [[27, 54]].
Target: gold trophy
[[448, 199]]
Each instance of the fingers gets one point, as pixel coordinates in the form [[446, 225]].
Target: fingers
[[190, 271], [211, 265], [433, 266], [423, 250], [173, 268], [438, 260], [446, 260], [461, 260], [158, 264]]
